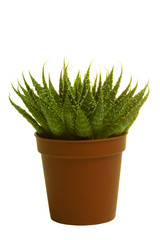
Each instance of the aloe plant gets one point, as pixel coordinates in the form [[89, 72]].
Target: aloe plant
[[80, 111]]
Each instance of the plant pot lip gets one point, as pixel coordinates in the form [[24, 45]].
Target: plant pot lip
[[80, 141]]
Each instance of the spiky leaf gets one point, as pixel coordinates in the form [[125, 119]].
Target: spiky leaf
[[107, 85], [54, 92], [29, 118], [38, 115], [78, 88], [69, 118], [86, 85], [82, 126], [135, 114], [127, 115], [99, 88], [97, 118], [87, 103], [43, 78], [94, 86], [54, 122]]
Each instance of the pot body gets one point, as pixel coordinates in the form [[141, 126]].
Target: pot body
[[82, 178]]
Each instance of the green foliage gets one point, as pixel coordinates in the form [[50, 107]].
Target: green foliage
[[80, 111]]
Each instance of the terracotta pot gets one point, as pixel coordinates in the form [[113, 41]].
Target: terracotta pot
[[82, 178]]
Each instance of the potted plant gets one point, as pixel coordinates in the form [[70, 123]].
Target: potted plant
[[81, 133]]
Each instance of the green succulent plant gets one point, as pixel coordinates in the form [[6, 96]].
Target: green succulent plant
[[81, 110]]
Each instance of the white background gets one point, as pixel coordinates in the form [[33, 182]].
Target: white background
[[107, 32]]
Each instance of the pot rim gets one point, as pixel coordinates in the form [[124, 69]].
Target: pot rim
[[80, 141]]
